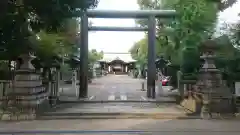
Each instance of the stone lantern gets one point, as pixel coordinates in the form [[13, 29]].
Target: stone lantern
[[216, 96], [28, 92]]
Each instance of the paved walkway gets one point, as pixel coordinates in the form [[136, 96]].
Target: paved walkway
[[121, 88], [114, 87], [143, 126]]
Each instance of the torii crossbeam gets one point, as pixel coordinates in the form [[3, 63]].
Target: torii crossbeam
[[143, 14]]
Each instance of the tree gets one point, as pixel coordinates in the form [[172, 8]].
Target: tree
[[94, 55], [194, 23], [69, 29], [139, 51], [50, 45], [235, 34], [21, 19]]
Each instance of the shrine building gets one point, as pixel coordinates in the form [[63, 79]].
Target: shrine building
[[118, 63]]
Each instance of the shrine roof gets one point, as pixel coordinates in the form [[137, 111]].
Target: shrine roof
[[127, 58]]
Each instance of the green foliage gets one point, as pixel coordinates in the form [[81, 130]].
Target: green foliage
[[65, 68], [235, 34], [48, 45], [69, 29], [196, 21], [49, 14], [139, 51], [191, 60], [172, 71], [228, 56], [94, 55], [194, 24], [4, 65], [21, 19]]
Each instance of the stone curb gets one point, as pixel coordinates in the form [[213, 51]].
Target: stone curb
[[116, 101], [118, 116], [58, 116], [179, 116], [20, 117], [112, 114]]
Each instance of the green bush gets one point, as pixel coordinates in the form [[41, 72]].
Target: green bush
[[172, 71], [190, 60]]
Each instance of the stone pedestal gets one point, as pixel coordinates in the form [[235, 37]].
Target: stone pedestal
[[28, 93]]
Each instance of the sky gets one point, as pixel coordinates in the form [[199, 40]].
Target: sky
[[123, 41], [114, 41], [229, 16]]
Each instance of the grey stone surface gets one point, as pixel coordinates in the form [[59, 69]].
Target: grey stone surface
[[155, 127], [113, 87], [149, 108]]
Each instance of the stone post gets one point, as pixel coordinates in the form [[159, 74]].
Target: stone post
[[180, 85], [109, 69], [58, 82], [74, 82], [160, 88]]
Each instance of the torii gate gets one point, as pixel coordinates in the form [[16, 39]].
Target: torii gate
[[140, 14]]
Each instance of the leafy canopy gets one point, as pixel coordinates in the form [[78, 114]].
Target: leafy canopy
[[21, 19], [194, 24], [94, 55]]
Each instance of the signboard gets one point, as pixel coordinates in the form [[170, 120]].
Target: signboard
[[237, 88]]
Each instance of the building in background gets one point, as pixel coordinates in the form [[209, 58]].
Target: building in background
[[117, 63]]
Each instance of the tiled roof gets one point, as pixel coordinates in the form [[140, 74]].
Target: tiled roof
[[123, 57]]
